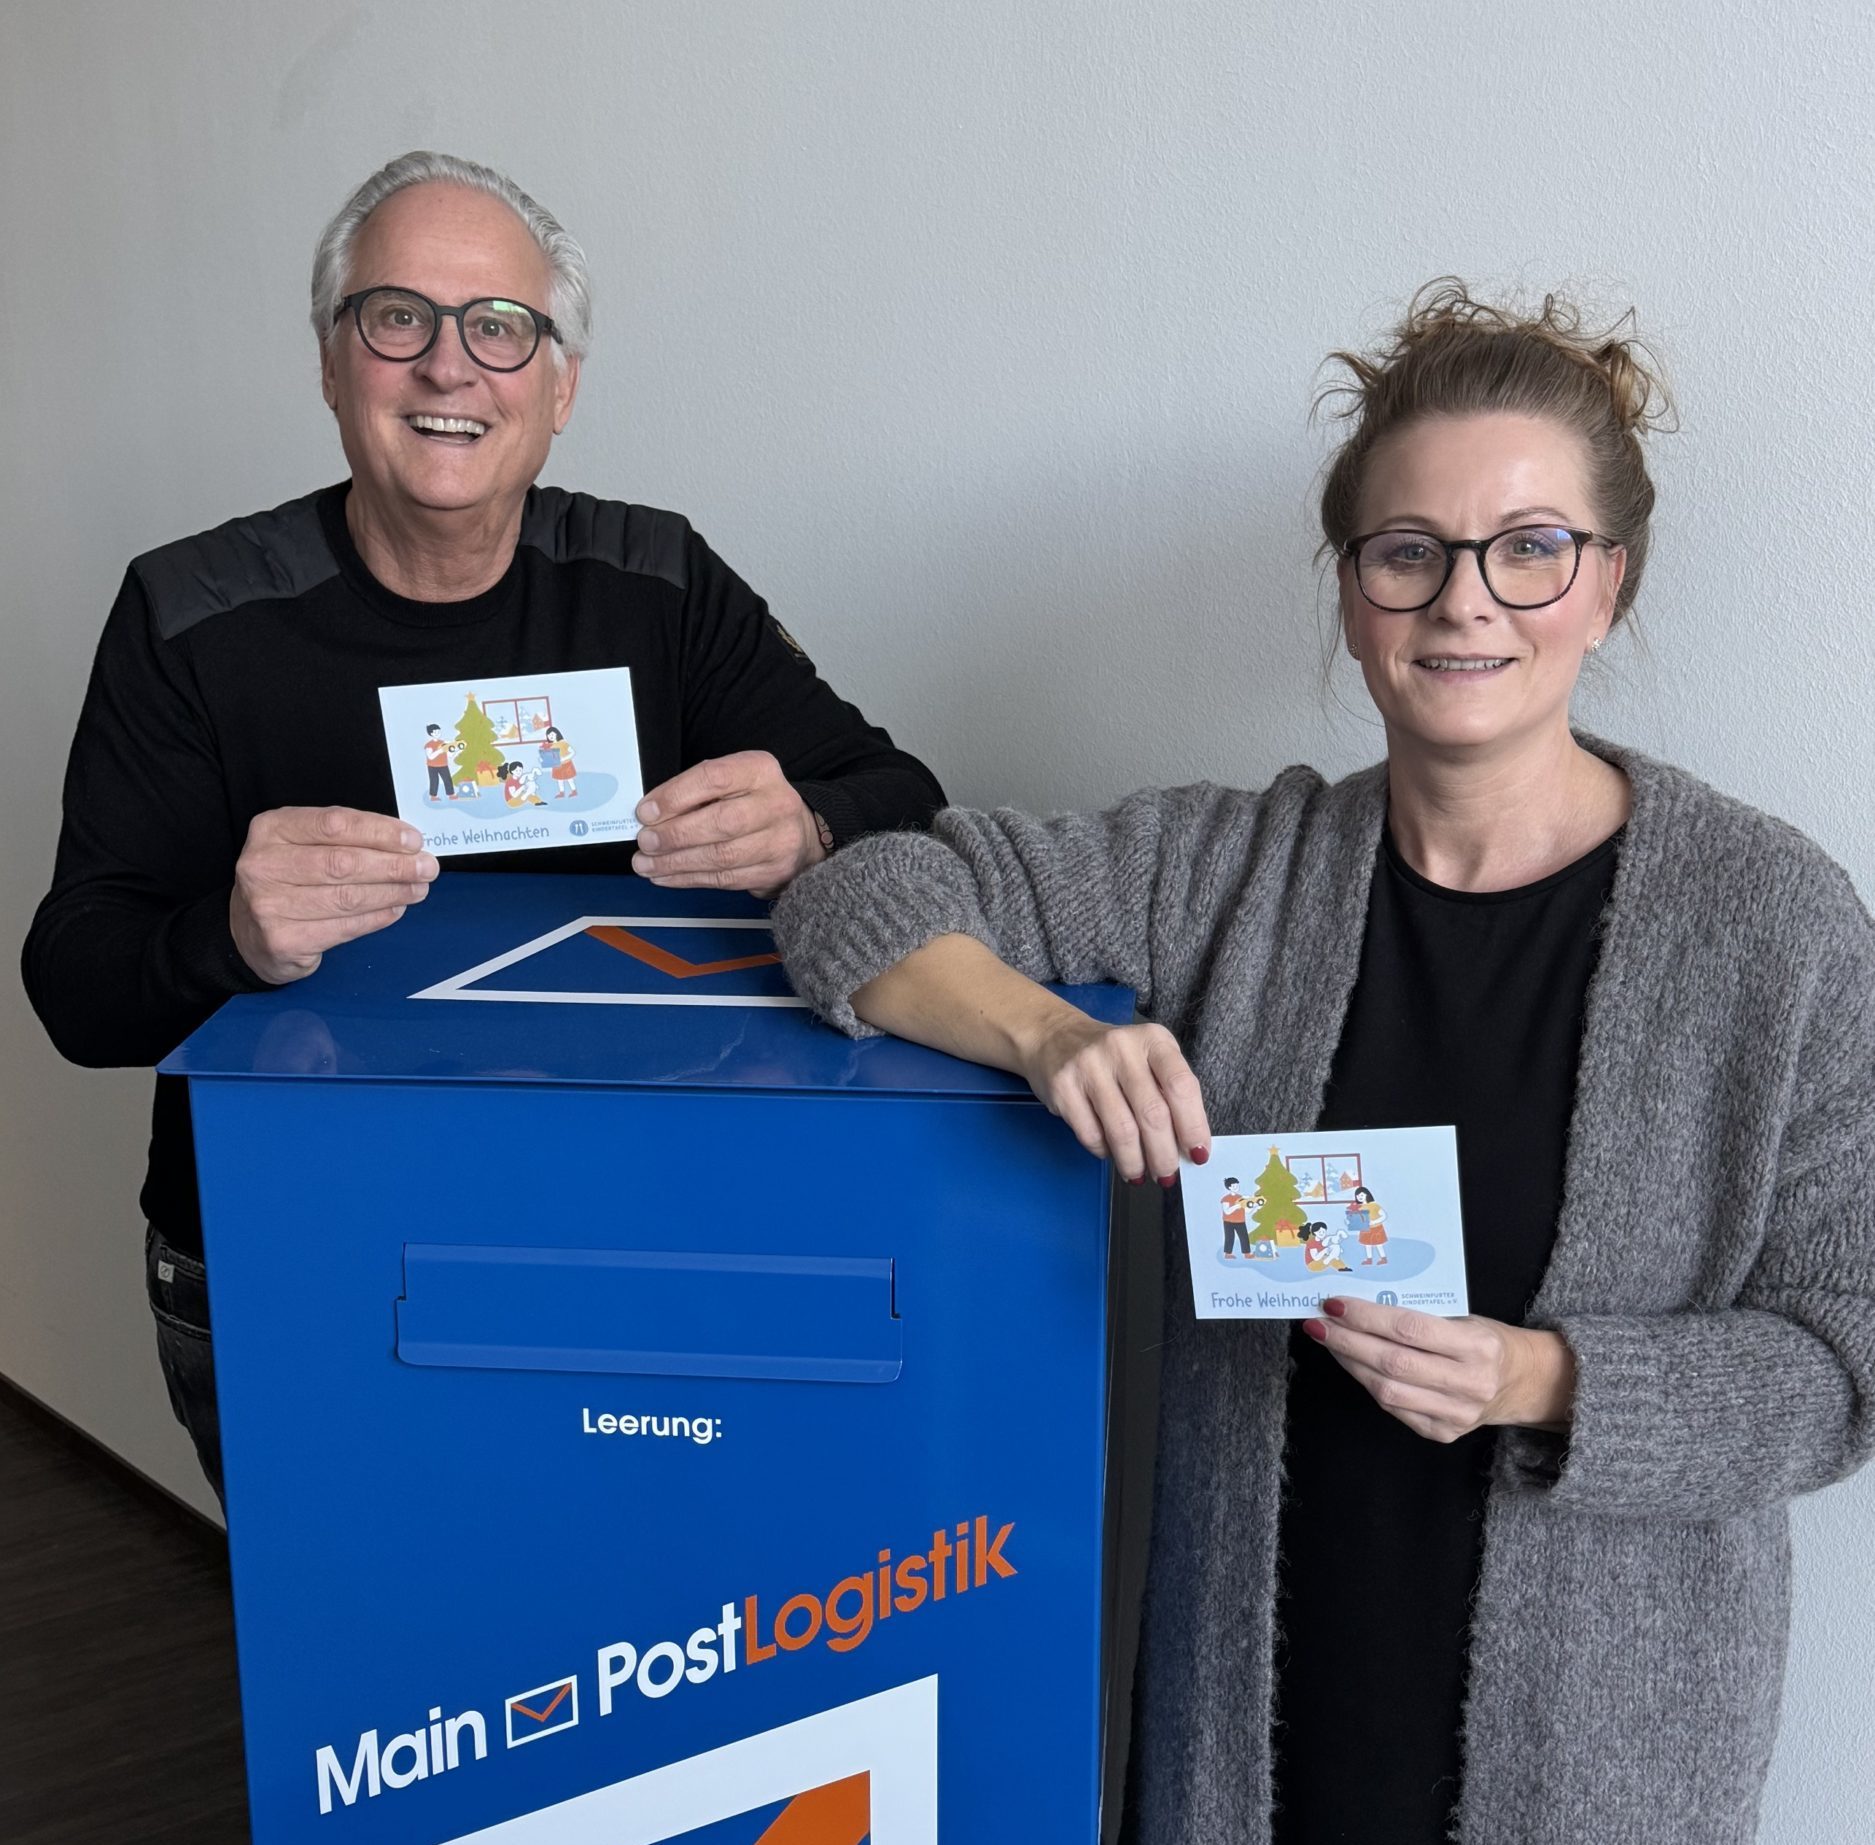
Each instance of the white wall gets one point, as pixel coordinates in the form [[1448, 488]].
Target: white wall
[[980, 337]]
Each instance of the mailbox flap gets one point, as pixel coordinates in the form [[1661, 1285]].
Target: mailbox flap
[[815, 1319]]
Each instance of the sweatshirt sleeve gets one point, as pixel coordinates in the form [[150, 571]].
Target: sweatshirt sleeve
[[1078, 897], [748, 684], [1709, 1415], [131, 949]]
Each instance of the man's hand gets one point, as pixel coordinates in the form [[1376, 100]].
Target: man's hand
[[310, 878], [732, 823]]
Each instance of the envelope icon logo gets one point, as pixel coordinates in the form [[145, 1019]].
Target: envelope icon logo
[[678, 967], [544, 1711]]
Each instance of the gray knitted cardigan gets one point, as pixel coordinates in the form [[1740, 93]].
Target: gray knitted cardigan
[[1714, 1272]]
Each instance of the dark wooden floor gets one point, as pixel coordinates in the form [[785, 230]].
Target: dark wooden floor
[[118, 1716]]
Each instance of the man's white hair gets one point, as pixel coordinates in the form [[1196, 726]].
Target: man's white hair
[[570, 300]]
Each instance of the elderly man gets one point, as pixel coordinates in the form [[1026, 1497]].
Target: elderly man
[[228, 811]]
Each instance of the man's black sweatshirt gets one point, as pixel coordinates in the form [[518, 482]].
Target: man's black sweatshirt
[[239, 671]]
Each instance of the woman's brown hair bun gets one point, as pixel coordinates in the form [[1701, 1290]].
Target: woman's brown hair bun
[[1456, 355]]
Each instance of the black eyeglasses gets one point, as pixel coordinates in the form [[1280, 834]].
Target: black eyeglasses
[[1527, 567], [401, 325]]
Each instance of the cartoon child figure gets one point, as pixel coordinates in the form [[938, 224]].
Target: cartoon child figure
[[1322, 1252], [436, 760], [1371, 1228], [517, 786], [1234, 1204], [559, 763]]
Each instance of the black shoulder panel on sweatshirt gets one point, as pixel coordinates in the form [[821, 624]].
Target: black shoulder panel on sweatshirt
[[639, 539], [264, 557]]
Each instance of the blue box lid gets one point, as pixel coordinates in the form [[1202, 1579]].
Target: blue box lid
[[509, 978]]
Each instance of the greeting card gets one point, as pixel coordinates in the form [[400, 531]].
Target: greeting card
[[1278, 1222], [506, 765]]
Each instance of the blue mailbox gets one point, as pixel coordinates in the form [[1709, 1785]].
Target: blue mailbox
[[647, 1415]]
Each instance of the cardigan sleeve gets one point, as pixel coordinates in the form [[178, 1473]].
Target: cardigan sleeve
[[1710, 1415], [1077, 897]]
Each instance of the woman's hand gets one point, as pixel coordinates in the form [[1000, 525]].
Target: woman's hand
[[1125, 1090], [1444, 1378]]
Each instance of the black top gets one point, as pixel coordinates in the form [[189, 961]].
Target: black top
[[1468, 1010], [238, 672]]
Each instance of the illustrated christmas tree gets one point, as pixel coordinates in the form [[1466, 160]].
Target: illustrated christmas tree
[[1278, 1187], [477, 736]]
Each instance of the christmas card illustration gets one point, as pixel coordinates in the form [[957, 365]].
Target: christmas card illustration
[[1278, 1222], [502, 765]]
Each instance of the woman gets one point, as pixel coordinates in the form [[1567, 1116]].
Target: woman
[[1617, 983]]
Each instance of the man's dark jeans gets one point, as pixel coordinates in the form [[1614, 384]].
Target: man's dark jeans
[[178, 1290]]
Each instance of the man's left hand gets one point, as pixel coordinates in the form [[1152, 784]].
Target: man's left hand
[[1444, 1378], [732, 823]]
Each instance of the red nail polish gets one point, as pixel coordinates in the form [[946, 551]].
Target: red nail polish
[[1140, 1180], [1338, 1308], [1315, 1330], [1199, 1155], [1169, 1181]]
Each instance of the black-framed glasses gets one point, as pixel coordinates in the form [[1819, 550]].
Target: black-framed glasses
[[401, 325], [1526, 567]]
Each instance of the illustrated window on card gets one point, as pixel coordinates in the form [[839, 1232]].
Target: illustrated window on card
[[1325, 1178], [520, 720]]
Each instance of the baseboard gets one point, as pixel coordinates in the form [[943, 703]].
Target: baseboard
[[133, 1479]]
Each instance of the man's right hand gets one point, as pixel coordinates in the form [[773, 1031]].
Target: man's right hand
[[310, 878]]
